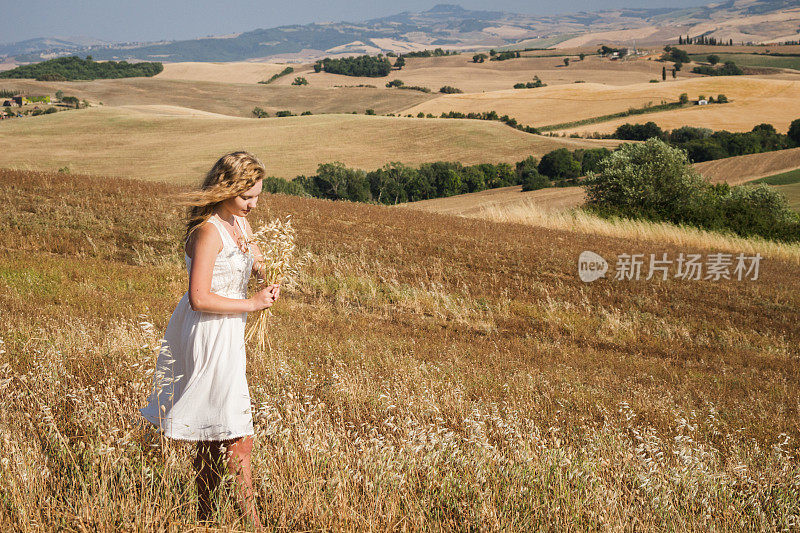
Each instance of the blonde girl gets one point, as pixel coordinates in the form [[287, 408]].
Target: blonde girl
[[200, 391]]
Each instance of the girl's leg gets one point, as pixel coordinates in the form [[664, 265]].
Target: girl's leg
[[208, 465], [239, 466]]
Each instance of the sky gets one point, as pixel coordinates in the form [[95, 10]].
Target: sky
[[153, 20]]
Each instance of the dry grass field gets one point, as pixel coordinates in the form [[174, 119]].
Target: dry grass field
[[475, 203], [227, 72], [430, 372], [235, 99], [459, 71], [175, 144], [753, 101], [743, 168]]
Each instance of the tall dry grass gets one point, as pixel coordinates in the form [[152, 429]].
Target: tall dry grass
[[430, 373], [578, 220]]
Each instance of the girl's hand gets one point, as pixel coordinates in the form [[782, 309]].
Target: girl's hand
[[263, 298], [276, 290]]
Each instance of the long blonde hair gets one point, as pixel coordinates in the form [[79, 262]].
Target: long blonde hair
[[230, 176]]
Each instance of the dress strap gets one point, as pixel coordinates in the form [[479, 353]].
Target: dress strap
[[222, 231]]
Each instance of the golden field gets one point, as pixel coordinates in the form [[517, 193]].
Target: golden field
[[235, 99], [225, 72], [175, 144], [430, 372], [754, 100], [459, 71]]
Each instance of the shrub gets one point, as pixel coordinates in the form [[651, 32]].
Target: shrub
[[299, 80], [259, 113], [651, 180], [286, 113], [395, 83], [447, 89]]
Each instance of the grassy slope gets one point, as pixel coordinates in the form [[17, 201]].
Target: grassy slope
[[754, 60], [459, 71], [430, 370], [236, 99], [754, 100], [162, 143]]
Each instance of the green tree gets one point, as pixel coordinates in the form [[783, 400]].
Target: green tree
[[683, 98], [713, 59], [559, 164], [59, 95], [794, 131], [259, 113], [388, 184], [649, 179], [664, 73], [582, 56], [337, 182], [479, 58], [299, 80], [566, 61], [400, 62]]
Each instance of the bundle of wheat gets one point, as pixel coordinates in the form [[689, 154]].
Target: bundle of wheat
[[276, 242]]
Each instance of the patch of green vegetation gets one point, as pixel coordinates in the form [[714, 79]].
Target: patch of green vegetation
[[284, 72], [784, 178], [29, 282], [74, 68], [754, 60], [792, 194], [605, 118]]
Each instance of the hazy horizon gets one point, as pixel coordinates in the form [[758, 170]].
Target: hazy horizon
[[178, 20]]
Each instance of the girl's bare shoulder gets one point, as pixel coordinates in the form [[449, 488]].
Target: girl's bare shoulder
[[206, 234]]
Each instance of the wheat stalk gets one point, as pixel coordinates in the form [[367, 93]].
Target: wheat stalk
[[276, 240]]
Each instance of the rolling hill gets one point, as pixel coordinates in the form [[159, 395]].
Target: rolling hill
[[753, 100], [170, 143]]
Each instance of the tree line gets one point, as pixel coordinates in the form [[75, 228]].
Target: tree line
[[74, 68], [703, 144], [366, 66], [431, 53], [704, 39], [396, 182]]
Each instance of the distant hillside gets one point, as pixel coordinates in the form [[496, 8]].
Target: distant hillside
[[453, 27]]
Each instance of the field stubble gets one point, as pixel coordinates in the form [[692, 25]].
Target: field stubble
[[458, 379]]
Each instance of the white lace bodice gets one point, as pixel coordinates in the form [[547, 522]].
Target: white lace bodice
[[232, 267]]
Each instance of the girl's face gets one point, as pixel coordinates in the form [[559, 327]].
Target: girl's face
[[242, 204]]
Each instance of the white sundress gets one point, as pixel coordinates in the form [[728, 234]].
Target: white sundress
[[200, 389]]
